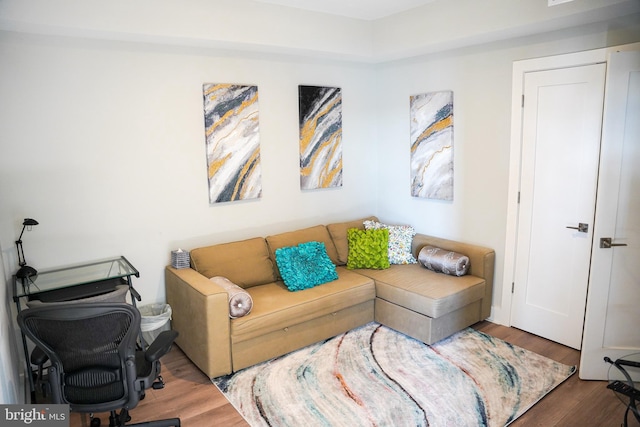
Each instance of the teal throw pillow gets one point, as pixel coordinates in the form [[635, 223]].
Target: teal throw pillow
[[305, 266], [368, 248]]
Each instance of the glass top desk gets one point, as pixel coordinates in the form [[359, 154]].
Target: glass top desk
[[73, 283], [77, 281]]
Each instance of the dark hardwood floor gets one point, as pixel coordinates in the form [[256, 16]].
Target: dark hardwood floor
[[190, 395]]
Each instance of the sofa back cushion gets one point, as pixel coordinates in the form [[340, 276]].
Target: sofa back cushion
[[338, 232], [246, 263], [318, 233]]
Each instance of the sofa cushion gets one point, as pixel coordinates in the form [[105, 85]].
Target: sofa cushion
[[338, 232], [305, 265], [240, 302], [246, 263], [318, 233], [424, 291], [444, 261], [368, 248], [400, 240], [275, 307]]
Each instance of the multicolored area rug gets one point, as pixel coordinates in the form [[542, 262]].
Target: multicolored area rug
[[375, 376]]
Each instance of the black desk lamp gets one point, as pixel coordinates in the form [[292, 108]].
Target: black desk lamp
[[25, 271]]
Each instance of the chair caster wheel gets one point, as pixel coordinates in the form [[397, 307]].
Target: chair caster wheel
[[95, 422], [158, 384]]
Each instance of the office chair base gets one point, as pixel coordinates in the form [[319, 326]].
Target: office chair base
[[121, 419], [159, 384], [118, 420]]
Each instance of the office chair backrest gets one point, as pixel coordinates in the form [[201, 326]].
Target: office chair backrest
[[92, 350]]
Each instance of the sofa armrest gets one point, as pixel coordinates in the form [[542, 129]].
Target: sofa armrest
[[481, 259], [200, 314]]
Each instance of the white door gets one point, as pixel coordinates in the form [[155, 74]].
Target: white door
[[561, 124], [612, 325]]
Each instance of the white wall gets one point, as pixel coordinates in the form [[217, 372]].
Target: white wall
[[103, 144], [252, 26], [238, 25], [11, 387], [443, 25]]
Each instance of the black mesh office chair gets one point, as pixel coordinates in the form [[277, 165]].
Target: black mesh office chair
[[38, 356], [95, 364]]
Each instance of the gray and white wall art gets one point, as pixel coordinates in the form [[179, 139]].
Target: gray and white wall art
[[320, 137], [432, 145], [232, 142]]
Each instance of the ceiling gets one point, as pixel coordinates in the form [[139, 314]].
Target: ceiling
[[360, 9]]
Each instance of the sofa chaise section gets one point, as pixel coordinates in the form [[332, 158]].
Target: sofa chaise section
[[430, 306]]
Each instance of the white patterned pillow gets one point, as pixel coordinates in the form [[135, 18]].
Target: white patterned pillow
[[400, 239]]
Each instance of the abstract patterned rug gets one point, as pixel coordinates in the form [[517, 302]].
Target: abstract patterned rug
[[374, 376]]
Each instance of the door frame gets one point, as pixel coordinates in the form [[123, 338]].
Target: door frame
[[501, 310]]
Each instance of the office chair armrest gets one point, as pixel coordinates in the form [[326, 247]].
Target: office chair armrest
[[160, 346], [38, 357]]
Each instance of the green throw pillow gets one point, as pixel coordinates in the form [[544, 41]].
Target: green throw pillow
[[368, 248], [305, 266]]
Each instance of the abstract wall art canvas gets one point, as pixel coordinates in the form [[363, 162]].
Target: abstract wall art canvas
[[432, 145], [232, 141], [320, 111]]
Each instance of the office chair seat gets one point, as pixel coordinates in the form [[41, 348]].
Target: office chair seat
[[95, 364]]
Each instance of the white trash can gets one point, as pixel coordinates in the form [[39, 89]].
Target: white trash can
[[155, 318]]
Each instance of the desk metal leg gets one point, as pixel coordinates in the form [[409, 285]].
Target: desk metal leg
[[29, 371], [136, 296]]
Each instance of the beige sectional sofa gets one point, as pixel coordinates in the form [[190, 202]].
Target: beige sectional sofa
[[409, 298]]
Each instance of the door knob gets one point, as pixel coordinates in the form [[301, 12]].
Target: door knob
[[605, 243], [582, 227]]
